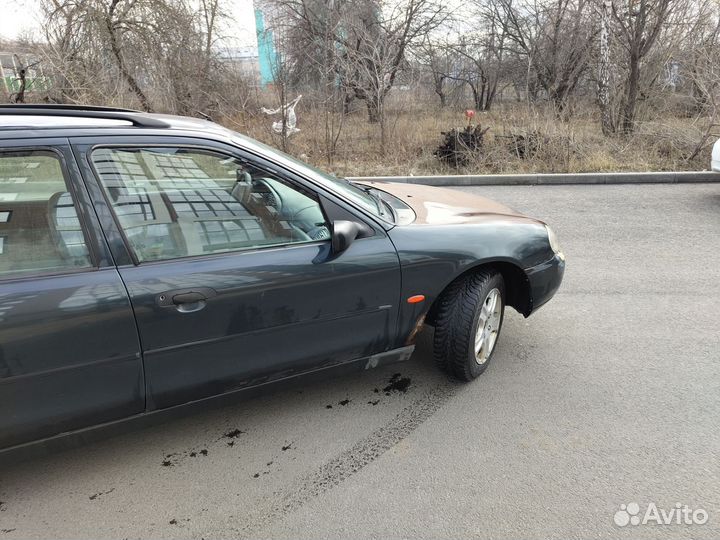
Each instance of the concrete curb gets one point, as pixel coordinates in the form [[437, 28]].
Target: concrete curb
[[685, 177]]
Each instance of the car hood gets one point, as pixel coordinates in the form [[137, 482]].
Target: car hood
[[437, 206]]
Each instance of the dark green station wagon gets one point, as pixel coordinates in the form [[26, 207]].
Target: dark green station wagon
[[148, 262]]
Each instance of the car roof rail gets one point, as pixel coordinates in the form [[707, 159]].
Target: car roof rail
[[137, 118]]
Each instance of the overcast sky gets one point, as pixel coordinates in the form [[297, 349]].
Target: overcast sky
[[18, 16]]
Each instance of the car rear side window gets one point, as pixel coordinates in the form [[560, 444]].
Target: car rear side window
[[40, 231], [183, 202]]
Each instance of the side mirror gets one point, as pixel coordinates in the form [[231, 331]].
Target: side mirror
[[344, 233]]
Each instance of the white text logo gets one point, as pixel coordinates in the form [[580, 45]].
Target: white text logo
[[680, 514]]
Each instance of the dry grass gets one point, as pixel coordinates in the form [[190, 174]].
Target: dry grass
[[414, 132]]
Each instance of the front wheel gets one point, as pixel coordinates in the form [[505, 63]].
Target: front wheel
[[468, 324]]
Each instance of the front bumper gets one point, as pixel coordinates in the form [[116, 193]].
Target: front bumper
[[715, 157], [545, 280]]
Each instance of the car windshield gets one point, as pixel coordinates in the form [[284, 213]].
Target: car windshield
[[367, 198]]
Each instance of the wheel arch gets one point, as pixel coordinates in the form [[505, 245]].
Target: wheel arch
[[517, 287]]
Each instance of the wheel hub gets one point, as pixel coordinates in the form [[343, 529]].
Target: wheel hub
[[488, 326]]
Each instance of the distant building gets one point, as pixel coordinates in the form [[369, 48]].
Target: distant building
[[11, 62], [259, 61], [267, 55], [245, 59]]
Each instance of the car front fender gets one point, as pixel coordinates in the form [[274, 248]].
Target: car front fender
[[432, 257]]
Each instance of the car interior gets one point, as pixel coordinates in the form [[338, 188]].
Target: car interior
[[39, 227], [170, 203], [174, 202]]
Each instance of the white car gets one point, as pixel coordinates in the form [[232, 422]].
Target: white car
[[715, 159]]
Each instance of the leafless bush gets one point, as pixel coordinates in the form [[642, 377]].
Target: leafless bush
[[634, 83], [155, 54]]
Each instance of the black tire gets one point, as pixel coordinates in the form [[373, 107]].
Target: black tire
[[457, 321]]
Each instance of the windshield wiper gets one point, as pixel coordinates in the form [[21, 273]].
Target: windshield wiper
[[393, 213], [382, 205]]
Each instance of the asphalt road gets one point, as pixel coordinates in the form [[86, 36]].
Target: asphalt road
[[608, 395]]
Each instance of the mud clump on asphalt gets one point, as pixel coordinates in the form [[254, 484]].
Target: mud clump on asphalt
[[397, 383], [100, 494]]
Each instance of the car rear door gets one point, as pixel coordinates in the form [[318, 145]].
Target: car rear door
[[229, 268], [69, 349]]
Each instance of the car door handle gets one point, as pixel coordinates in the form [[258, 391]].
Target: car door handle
[[190, 307], [186, 300], [192, 297]]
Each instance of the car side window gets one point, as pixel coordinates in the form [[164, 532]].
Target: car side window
[[176, 202], [40, 231]]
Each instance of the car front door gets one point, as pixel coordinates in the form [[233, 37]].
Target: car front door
[[230, 268], [69, 349]]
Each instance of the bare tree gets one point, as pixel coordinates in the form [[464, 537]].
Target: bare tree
[[603, 83], [121, 20], [639, 25], [22, 73], [700, 59], [555, 37], [331, 93], [706, 81], [67, 44], [439, 62], [370, 41], [374, 47], [702, 70], [479, 57], [95, 44]]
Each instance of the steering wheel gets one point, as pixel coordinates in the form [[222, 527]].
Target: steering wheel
[[270, 194], [307, 219]]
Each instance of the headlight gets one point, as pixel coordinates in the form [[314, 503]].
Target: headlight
[[554, 243]]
